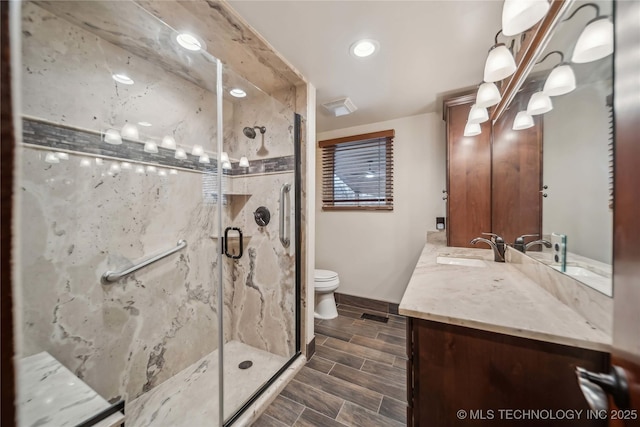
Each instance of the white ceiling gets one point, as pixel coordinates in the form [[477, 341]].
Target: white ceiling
[[427, 48]]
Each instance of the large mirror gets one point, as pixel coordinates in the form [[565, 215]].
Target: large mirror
[[578, 144]]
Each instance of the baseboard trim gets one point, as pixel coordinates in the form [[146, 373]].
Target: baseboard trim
[[371, 304], [311, 348]]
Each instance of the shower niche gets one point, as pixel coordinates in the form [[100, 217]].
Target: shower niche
[[132, 142]]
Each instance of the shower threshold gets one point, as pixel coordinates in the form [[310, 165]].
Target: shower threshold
[[190, 398]]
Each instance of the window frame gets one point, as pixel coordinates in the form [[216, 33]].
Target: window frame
[[328, 185]]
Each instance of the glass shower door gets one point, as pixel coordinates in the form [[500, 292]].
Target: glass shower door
[[258, 221]]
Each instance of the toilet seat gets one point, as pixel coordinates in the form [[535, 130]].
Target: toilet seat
[[325, 283], [326, 280]]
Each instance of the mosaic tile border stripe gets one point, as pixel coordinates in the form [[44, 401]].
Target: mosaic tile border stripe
[[62, 137]]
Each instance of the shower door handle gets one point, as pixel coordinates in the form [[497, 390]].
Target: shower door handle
[[226, 242], [283, 213]]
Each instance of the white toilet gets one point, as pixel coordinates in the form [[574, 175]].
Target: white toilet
[[326, 282]]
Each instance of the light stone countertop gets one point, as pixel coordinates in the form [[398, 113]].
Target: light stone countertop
[[496, 298]]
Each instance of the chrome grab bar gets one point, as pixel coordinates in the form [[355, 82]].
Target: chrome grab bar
[[113, 276], [284, 189]]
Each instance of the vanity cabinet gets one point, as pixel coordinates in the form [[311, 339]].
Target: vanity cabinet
[[485, 374], [493, 179]]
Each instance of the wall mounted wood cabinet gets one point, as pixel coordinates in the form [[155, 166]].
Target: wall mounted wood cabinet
[[493, 179]]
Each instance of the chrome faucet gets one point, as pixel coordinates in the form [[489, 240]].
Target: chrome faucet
[[496, 243], [521, 246]]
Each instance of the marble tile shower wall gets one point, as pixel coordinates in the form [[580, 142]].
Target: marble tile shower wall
[[77, 222]]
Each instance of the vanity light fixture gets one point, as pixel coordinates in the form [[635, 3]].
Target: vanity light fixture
[[180, 154], [244, 162], [363, 48], [596, 39], [238, 93], [130, 131], [488, 95], [539, 103], [478, 114], [520, 15], [522, 121], [190, 42], [150, 147], [472, 129], [500, 63], [197, 150], [112, 136], [168, 142], [561, 80], [122, 78], [204, 158], [51, 158]]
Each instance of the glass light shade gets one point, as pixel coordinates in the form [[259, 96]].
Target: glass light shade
[[85, 163], [130, 131], [139, 169], [112, 136], [520, 15], [150, 147], [522, 121], [595, 41], [168, 142], [151, 169], [472, 129], [500, 64], [226, 165], [99, 161], [539, 103], [115, 167], [197, 150], [180, 154], [173, 172], [244, 162], [51, 158], [488, 95], [125, 165], [478, 114], [224, 157], [561, 81], [162, 172], [204, 158], [62, 156]]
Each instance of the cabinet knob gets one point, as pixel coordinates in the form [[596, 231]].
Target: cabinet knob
[[445, 197], [544, 187]]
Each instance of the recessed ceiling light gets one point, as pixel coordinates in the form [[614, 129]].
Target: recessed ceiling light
[[145, 124], [122, 78], [189, 42], [238, 93], [364, 48]]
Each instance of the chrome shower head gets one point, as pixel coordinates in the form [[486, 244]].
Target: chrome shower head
[[251, 133]]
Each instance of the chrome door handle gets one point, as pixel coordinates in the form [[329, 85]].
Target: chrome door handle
[[283, 239], [595, 388]]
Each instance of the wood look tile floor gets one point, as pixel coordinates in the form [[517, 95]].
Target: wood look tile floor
[[357, 376]]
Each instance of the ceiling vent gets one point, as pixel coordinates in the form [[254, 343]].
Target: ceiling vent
[[340, 107]]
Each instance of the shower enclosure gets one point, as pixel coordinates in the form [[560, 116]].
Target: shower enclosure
[[157, 235]]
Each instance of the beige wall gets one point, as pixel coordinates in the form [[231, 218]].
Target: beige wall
[[375, 253]]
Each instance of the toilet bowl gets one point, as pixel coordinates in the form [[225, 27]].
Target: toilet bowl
[[326, 282]]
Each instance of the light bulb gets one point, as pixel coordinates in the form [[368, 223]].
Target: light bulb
[[162, 172], [62, 156], [204, 158], [224, 157], [130, 131], [115, 167], [140, 169], [168, 142], [488, 95], [472, 129], [180, 154], [226, 165], [522, 121], [500, 64], [197, 150], [85, 163], [151, 169], [112, 136], [150, 147], [539, 103], [125, 165], [244, 162], [51, 158], [173, 172]]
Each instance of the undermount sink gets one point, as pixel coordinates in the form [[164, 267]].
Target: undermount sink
[[466, 262]]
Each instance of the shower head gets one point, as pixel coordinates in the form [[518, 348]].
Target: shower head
[[251, 133]]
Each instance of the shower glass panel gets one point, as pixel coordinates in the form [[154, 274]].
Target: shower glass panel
[[258, 223], [117, 164]]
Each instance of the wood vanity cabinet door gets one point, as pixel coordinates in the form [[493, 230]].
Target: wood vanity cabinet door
[[454, 369], [517, 175], [468, 176]]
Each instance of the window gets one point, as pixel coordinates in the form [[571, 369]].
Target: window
[[357, 172]]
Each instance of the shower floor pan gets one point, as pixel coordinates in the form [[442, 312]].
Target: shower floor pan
[[190, 398]]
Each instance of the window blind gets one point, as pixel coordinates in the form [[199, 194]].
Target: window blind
[[357, 172]]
